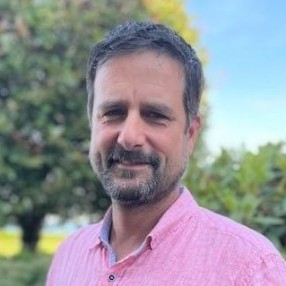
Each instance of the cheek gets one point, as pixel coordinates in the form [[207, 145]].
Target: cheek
[[176, 150], [93, 136], [95, 141], [168, 146], [101, 139]]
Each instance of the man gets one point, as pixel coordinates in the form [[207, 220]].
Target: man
[[144, 85]]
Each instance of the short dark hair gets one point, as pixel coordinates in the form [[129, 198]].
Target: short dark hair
[[132, 37]]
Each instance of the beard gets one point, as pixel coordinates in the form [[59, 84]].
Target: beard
[[133, 187]]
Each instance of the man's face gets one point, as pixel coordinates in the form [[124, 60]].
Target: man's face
[[139, 141]]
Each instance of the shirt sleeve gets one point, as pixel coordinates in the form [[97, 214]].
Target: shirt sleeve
[[271, 271]]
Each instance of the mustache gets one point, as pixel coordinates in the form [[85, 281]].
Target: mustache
[[120, 155]]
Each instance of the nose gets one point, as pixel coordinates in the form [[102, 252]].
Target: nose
[[132, 133]]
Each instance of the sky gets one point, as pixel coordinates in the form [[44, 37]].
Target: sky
[[246, 71]]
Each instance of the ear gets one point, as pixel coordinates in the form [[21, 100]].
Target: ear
[[193, 132]]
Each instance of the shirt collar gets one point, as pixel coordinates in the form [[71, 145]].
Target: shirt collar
[[105, 228], [102, 236], [183, 209]]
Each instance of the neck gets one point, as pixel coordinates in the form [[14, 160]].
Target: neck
[[131, 225]]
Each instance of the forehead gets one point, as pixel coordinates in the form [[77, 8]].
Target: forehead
[[147, 73]]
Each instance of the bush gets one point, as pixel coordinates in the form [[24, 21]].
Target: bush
[[26, 269]]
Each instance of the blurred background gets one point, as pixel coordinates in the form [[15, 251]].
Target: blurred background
[[246, 70], [47, 188]]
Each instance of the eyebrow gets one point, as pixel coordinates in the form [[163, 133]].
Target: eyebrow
[[154, 106], [109, 104]]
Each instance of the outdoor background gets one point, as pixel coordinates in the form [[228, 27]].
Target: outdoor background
[[47, 188]]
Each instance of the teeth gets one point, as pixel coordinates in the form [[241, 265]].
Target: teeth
[[130, 163]]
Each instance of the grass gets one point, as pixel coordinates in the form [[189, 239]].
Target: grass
[[23, 268], [10, 243], [49, 243]]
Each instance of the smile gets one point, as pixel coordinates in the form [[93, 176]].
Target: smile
[[131, 165]]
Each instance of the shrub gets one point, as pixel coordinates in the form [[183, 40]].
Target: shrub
[[25, 269]]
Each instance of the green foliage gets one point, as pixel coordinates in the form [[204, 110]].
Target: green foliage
[[24, 270], [249, 187]]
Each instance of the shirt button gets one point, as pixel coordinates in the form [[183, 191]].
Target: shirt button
[[111, 278]]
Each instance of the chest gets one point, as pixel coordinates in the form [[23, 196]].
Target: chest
[[168, 266]]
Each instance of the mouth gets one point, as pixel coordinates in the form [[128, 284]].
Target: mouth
[[121, 158], [127, 164]]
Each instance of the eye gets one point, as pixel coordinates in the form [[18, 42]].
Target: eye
[[155, 116], [113, 114]]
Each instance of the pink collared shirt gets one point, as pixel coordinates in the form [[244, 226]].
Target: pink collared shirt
[[189, 246]]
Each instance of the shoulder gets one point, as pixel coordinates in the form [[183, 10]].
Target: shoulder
[[82, 239], [71, 253], [252, 254], [242, 237]]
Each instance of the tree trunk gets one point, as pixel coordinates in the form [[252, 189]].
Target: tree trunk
[[31, 224], [283, 240]]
